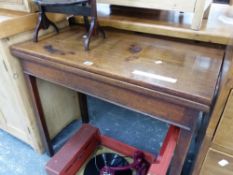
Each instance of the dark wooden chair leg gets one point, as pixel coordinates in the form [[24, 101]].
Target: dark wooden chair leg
[[87, 38], [89, 10], [32, 85], [86, 23], [43, 23], [38, 27], [83, 107], [181, 151], [94, 27], [86, 20], [71, 20]]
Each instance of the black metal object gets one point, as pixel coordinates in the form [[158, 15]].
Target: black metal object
[[98, 162], [114, 164], [139, 165], [85, 8]]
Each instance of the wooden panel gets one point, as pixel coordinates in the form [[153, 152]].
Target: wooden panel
[[10, 110], [214, 164], [180, 5], [223, 136], [60, 106]]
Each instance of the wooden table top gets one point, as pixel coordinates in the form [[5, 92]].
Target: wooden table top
[[180, 70]]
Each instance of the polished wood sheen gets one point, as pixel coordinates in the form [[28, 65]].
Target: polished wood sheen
[[166, 67], [167, 80]]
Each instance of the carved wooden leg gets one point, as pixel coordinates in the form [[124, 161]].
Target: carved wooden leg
[[181, 151], [38, 27], [86, 23], [87, 38], [85, 19], [32, 85], [94, 14], [94, 26], [43, 23], [93, 29], [83, 107]]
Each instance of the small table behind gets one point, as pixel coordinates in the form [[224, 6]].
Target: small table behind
[[168, 80]]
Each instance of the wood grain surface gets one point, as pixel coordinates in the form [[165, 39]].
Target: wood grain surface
[[168, 67]]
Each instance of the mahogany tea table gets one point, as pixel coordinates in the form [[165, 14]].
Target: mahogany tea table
[[168, 80]]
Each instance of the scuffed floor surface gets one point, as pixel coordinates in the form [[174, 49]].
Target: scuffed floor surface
[[17, 158]]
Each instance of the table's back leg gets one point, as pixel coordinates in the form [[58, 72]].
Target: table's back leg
[[33, 89], [83, 107], [87, 38]]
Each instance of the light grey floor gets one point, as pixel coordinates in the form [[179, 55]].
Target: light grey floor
[[17, 158]]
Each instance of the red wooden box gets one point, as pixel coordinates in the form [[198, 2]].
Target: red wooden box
[[83, 144]]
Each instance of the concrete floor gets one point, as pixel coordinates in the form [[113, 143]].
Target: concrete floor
[[17, 158]]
